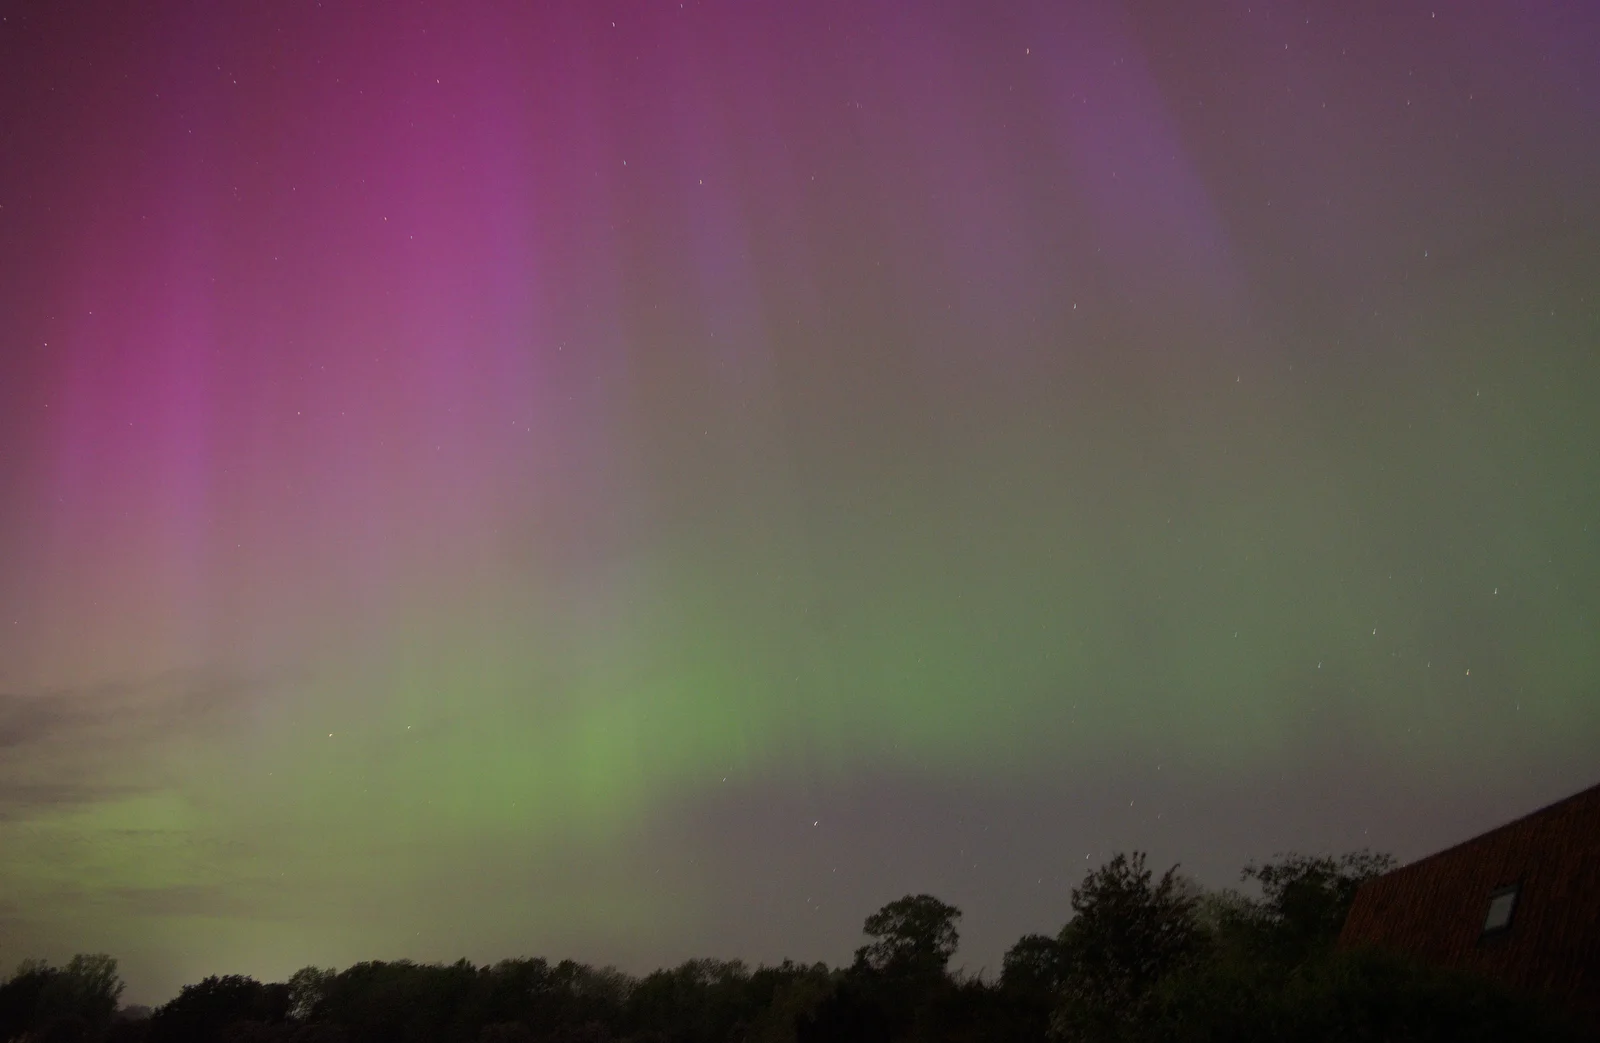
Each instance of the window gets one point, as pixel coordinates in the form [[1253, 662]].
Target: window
[[1502, 903]]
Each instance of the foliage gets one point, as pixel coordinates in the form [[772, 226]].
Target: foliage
[[1142, 960], [19, 998], [72, 1002], [1126, 934], [307, 987], [698, 1000], [797, 995], [1338, 996], [1036, 965], [914, 935], [87, 987], [849, 1014], [1305, 898], [218, 1005]]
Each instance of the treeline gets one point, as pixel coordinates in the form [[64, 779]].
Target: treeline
[[1142, 958]]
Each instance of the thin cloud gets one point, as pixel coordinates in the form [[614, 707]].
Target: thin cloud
[[63, 746]]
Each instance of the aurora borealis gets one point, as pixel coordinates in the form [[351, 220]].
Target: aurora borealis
[[648, 479]]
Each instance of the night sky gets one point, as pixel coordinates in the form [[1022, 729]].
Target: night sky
[[642, 480]]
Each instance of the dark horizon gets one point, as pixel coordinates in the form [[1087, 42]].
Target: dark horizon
[[1145, 957]]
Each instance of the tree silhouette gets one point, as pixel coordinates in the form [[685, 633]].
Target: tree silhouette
[[307, 987], [67, 1003], [205, 1010], [1126, 934], [797, 992], [1036, 964], [87, 987], [19, 997], [1143, 960], [849, 1014], [697, 1000], [1305, 898], [914, 935]]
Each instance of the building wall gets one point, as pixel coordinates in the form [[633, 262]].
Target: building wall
[[1435, 908]]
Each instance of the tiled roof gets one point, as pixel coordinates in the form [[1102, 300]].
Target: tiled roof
[[1435, 908]]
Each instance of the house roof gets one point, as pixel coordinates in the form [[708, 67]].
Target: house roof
[[1435, 908]]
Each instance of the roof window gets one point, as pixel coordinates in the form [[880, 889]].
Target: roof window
[[1502, 903]]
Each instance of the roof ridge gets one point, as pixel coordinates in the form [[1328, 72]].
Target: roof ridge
[[1591, 791]]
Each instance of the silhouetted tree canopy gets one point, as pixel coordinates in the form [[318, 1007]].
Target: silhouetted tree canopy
[[1305, 898], [1141, 960], [1036, 964], [307, 987], [1127, 932], [1335, 997], [911, 935], [849, 1014], [66, 1003], [218, 1005]]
